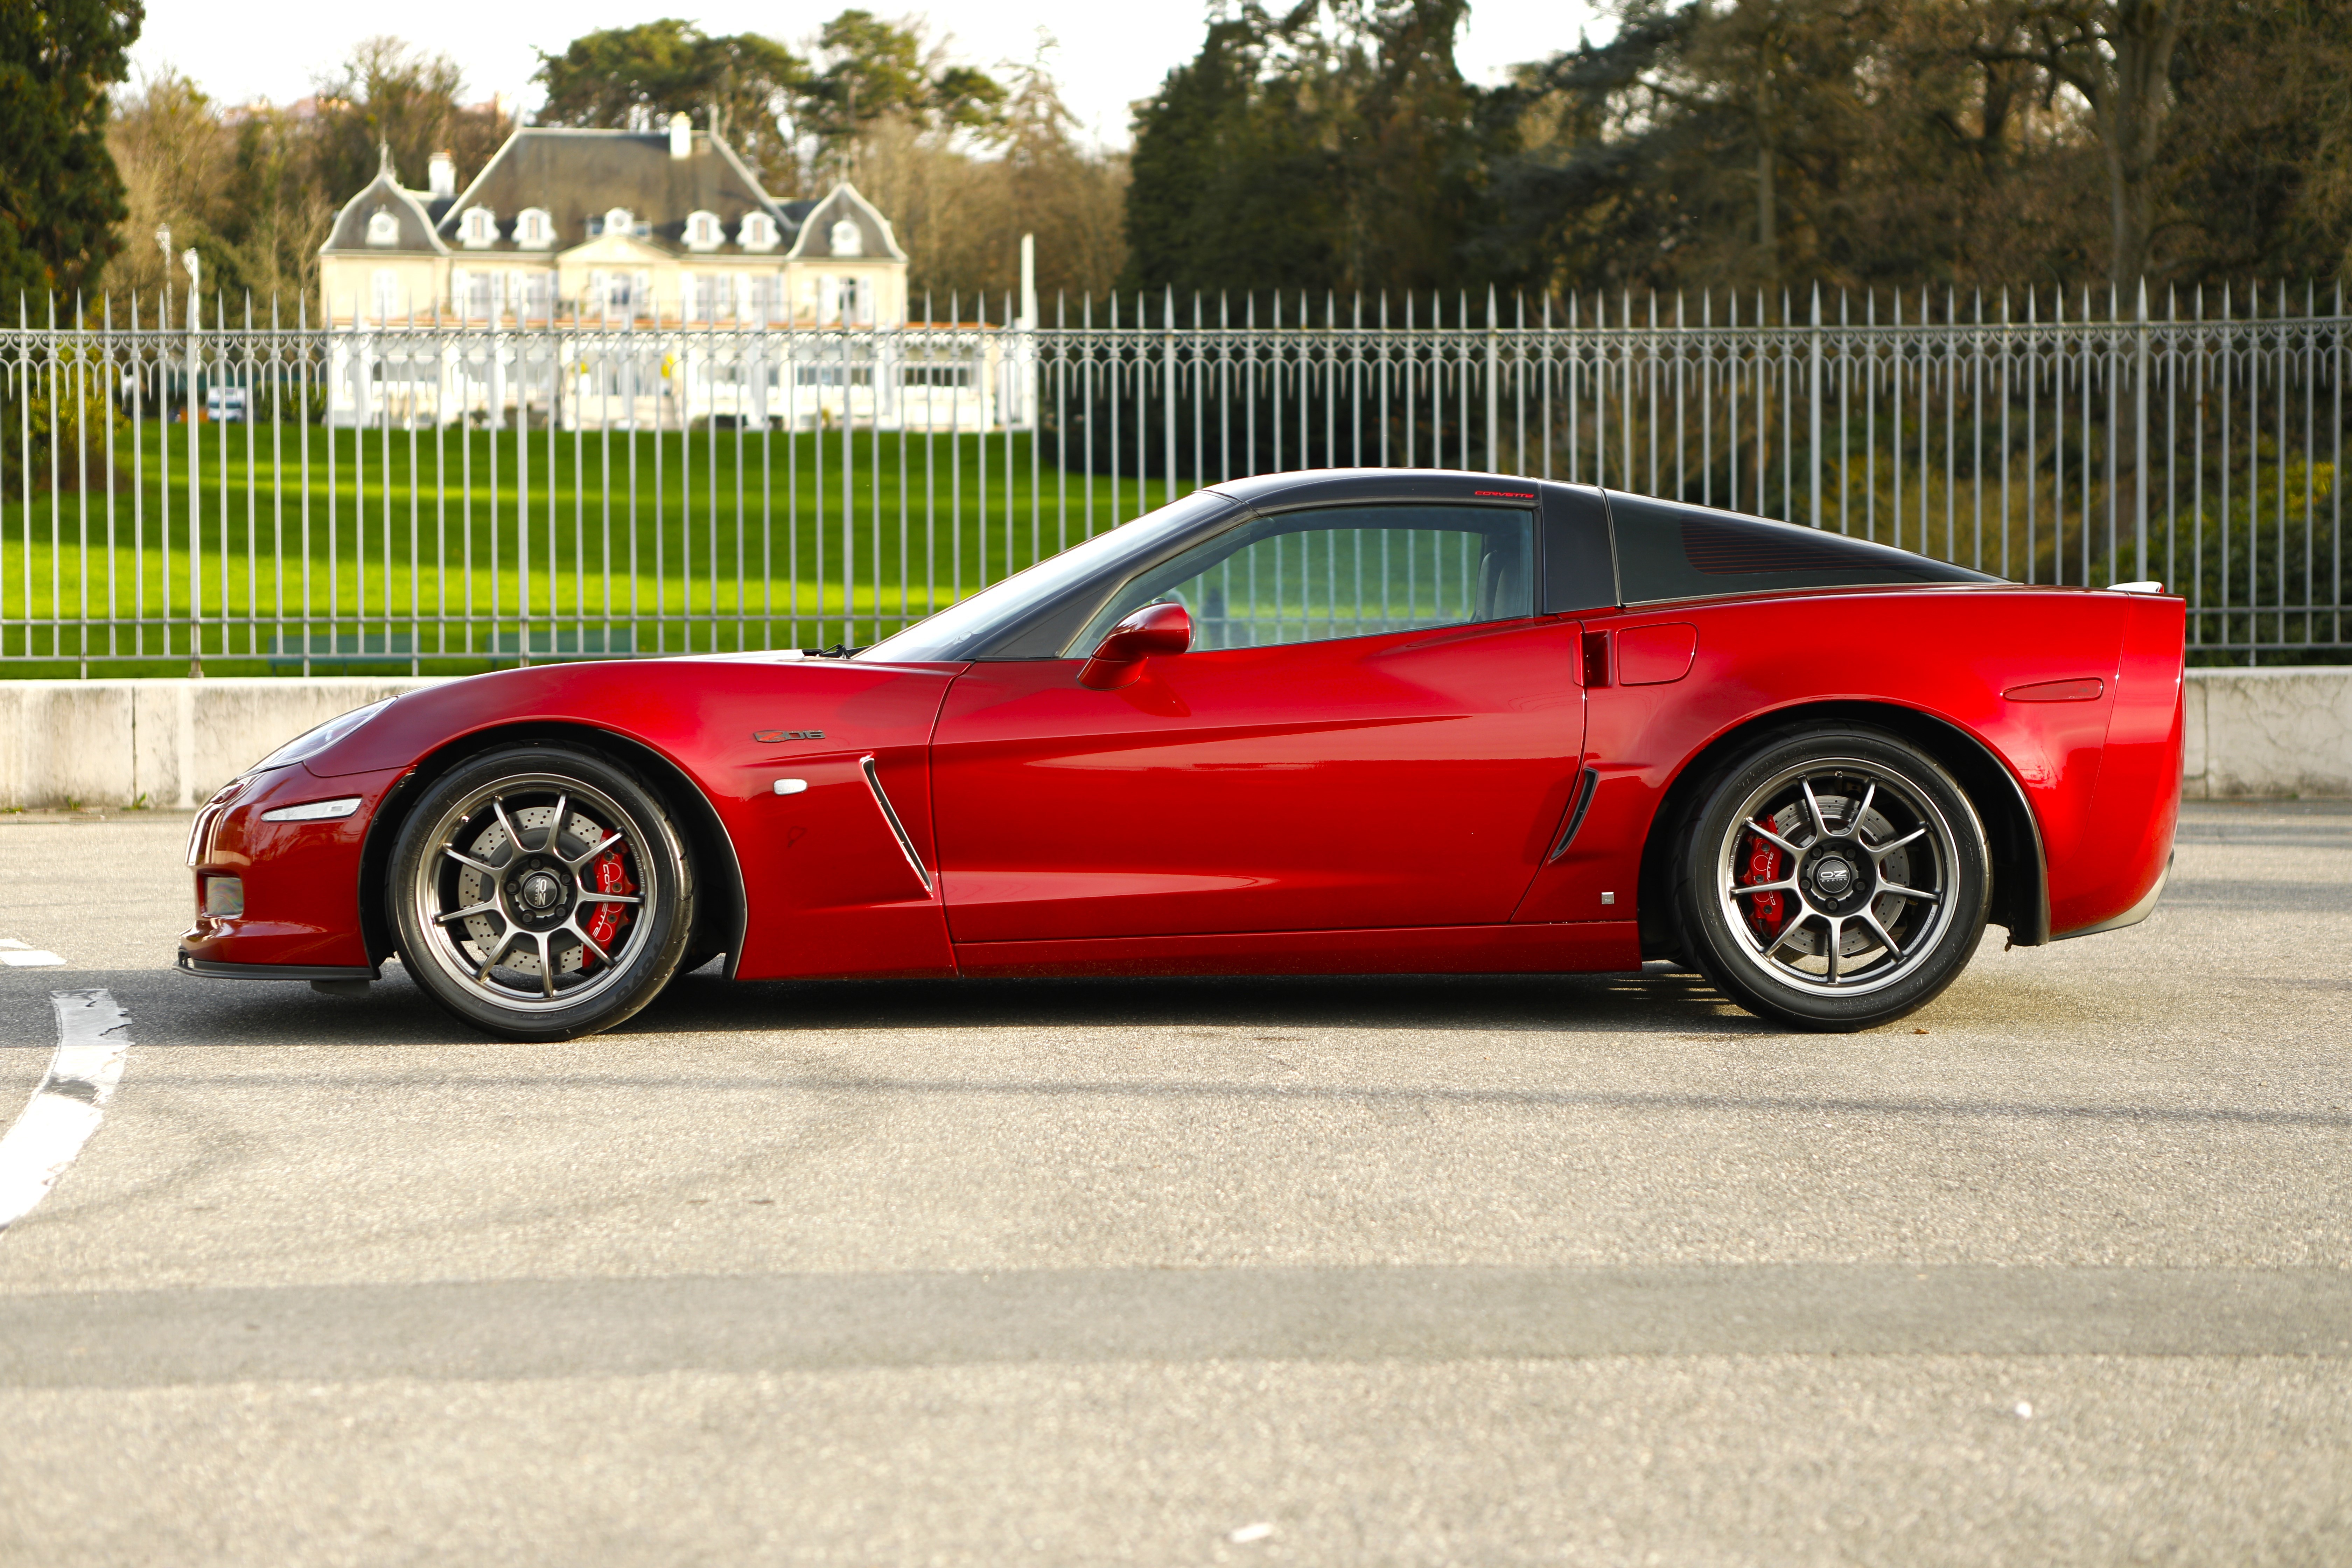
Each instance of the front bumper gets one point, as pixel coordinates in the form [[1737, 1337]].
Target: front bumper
[[301, 919], [214, 969]]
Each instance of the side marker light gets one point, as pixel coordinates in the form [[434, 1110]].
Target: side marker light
[[2086, 689], [791, 786]]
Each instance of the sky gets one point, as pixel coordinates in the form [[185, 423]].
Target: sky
[[1102, 62]]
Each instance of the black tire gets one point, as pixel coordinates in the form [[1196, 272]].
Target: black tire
[[493, 899], [1839, 840]]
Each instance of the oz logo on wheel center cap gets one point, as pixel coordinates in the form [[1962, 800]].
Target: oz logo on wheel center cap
[[1833, 876], [540, 890]]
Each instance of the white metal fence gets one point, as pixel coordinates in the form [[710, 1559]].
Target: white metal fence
[[414, 493]]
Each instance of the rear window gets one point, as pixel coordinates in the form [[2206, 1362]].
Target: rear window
[[1667, 549]]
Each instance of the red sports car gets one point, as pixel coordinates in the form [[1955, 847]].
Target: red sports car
[[1346, 722]]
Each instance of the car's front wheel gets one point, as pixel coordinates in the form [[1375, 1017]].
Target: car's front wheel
[[541, 892], [1832, 878]]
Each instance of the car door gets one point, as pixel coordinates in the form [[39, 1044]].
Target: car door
[[1373, 727]]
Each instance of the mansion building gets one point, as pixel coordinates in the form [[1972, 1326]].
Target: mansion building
[[569, 236]]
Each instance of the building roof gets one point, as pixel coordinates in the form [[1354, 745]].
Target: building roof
[[817, 220], [578, 175], [414, 209]]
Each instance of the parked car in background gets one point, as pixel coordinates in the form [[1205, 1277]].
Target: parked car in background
[[1337, 722]]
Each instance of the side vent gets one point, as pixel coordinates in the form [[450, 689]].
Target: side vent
[[1587, 784], [898, 829]]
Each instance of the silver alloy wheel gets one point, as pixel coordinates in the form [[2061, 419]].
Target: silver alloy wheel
[[518, 897], [1838, 876]]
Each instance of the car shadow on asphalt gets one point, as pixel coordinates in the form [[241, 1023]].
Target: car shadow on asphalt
[[170, 1009]]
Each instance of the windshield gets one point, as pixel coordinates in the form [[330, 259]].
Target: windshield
[[963, 628]]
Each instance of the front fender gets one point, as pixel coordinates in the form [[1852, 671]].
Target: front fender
[[827, 889]]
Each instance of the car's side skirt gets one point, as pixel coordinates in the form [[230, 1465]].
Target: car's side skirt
[[1574, 947]]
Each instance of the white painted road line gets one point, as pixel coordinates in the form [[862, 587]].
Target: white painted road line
[[16, 955], [69, 1104]]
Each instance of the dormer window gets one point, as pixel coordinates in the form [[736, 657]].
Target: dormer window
[[534, 229], [478, 229], [758, 232], [620, 220], [382, 228], [847, 238], [703, 232]]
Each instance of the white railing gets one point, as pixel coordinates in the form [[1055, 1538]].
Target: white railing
[[376, 493]]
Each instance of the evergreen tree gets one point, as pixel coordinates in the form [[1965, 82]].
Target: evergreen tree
[[60, 197], [1333, 147]]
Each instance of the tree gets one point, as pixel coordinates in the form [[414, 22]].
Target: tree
[[1230, 187], [1768, 143], [1333, 147], [2119, 54], [2254, 171], [390, 94], [877, 72], [798, 122], [743, 87], [961, 215], [176, 158], [60, 197], [1700, 145]]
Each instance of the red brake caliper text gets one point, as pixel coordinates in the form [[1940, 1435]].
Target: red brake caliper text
[[606, 924], [1764, 866]]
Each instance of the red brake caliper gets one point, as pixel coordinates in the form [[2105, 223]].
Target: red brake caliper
[[606, 924], [1764, 866]]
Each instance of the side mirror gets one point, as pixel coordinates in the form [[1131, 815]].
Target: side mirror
[[1149, 632]]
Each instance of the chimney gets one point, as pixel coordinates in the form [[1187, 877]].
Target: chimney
[[442, 176], [681, 137]]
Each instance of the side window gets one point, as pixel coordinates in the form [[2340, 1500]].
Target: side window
[[1341, 571], [1667, 549]]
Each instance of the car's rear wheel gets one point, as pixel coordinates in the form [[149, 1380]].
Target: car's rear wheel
[[541, 892], [1832, 878]]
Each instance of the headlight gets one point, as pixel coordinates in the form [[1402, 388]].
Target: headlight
[[311, 743], [314, 811]]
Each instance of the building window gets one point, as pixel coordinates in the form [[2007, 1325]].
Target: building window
[[709, 296], [475, 295], [847, 239], [703, 232], [387, 293], [534, 229], [383, 228], [763, 299], [620, 220], [758, 232], [958, 376], [845, 302], [620, 294], [538, 295], [478, 229]]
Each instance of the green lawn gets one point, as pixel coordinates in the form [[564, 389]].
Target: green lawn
[[629, 542]]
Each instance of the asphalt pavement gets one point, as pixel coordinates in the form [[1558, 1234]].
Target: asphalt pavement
[[1461, 1271]]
